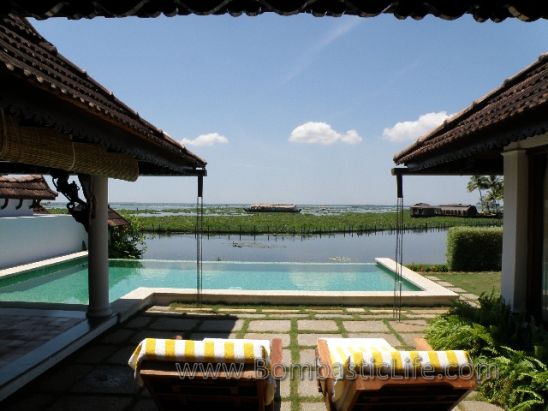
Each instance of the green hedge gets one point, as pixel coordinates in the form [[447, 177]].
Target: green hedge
[[474, 248]]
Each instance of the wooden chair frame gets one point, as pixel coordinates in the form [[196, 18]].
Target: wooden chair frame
[[201, 392], [374, 393]]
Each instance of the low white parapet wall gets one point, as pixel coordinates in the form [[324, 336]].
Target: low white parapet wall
[[33, 238]]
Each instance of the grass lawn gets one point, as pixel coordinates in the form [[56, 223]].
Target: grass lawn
[[475, 282]]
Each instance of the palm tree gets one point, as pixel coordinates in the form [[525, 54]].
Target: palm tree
[[478, 183], [496, 191], [494, 184]]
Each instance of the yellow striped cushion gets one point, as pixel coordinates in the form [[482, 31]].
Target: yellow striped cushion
[[340, 349], [214, 350], [403, 361]]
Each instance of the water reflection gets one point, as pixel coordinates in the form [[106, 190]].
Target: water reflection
[[423, 247]]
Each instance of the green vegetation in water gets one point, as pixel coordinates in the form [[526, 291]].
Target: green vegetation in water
[[511, 351], [304, 224]]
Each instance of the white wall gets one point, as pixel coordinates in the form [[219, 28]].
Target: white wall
[[34, 238], [11, 208]]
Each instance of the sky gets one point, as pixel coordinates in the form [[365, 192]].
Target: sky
[[296, 109]]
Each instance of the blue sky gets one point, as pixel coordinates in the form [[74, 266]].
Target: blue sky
[[296, 109]]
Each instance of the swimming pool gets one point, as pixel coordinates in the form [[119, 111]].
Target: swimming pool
[[67, 282]]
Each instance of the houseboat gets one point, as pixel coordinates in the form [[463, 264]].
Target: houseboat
[[272, 208]]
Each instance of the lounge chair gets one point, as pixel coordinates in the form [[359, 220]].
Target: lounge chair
[[212, 374], [369, 374]]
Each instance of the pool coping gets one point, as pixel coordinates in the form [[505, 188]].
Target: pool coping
[[430, 294], [23, 268]]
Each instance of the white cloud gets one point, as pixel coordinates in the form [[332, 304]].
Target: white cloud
[[404, 131], [205, 140], [315, 132]]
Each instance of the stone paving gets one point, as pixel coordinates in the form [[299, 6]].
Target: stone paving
[[97, 376]]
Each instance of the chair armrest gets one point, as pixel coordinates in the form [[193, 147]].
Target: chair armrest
[[276, 359], [422, 344]]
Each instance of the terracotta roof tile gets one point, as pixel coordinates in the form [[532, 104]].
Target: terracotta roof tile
[[506, 114], [26, 54], [481, 10], [26, 187]]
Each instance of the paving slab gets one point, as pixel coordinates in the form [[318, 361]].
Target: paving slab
[[262, 336], [308, 387], [425, 316], [95, 353], [433, 277], [118, 336], [285, 388], [408, 326], [390, 338], [270, 325], [307, 356], [237, 310], [431, 311], [321, 310], [290, 315], [445, 284], [312, 406], [198, 336], [280, 311], [409, 339], [121, 356], [61, 379], [317, 325], [246, 315], [139, 321], [365, 326], [221, 325], [470, 296], [30, 401], [325, 316], [108, 379], [478, 406], [312, 339], [174, 323], [355, 310], [144, 404], [456, 289], [141, 335], [285, 406], [92, 403]]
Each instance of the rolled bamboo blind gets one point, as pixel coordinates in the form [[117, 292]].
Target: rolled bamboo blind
[[47, 148]]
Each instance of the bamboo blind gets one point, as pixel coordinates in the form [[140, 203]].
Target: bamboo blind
[[47, 148]]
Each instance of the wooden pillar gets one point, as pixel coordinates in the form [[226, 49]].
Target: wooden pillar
[[99, 305]]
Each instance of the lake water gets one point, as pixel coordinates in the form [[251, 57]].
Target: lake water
[[419, 247]]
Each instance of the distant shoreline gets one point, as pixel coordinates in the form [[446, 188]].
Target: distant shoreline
[[233, 220]]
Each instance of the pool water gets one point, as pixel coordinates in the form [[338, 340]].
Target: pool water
[[67, 282]]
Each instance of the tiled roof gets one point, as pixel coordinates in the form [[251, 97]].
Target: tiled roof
[[115, 219], [26, 187], [516, 110], [25, 54], [481, 10]]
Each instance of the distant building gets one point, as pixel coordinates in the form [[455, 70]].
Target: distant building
[[20, 195], [459, 210], [427, 210], [423, 210], [29, 235]]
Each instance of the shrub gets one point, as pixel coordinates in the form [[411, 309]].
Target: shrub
[[432, 268], [474, 249], [127, 241], [498, 340]]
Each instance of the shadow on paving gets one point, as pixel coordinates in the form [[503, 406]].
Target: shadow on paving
[[97, 376]]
